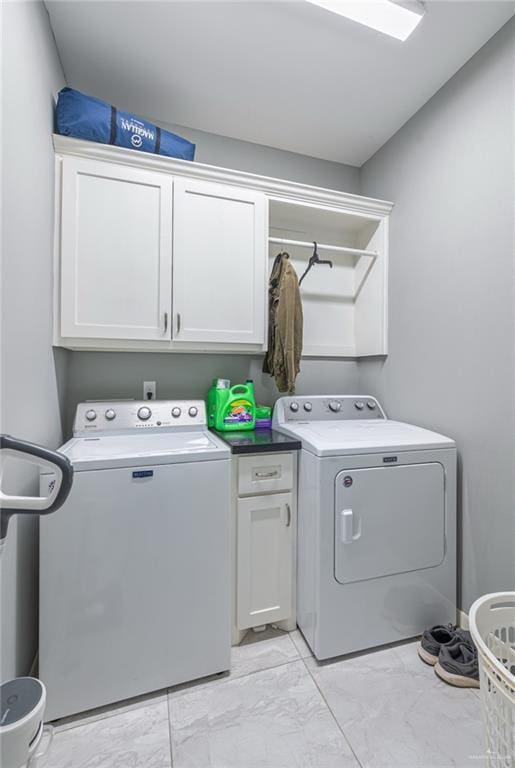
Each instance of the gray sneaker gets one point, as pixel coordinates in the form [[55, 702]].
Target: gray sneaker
[[458, 665], [433, 639]]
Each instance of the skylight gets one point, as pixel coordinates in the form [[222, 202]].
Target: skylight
[[385, 16]]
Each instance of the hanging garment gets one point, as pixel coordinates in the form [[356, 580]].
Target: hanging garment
[[285, 325]]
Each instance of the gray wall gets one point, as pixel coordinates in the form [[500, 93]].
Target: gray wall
[[111, 375], [31, 378], [450, 171], [267, 161], [98, 375]]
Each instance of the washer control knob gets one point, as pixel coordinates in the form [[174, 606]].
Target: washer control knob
[[359, 405], [371, 404], [193, 411], [335, 406], [91, 415], [308, 407], [110, 414], [144, 413], [176, 412], [294, 407]]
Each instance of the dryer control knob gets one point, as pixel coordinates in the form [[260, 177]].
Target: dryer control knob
[[371, 405], [294, 407], [144, 413], [359, 404], [335, 406], [91, 415], [110, 414], [308, 407], [176, 412], [193, 411]]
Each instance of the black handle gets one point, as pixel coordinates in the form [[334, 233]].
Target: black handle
[[53, 457]]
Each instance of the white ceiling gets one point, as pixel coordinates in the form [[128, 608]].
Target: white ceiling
[[284, 74]]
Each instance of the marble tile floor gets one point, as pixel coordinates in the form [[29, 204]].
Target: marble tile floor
[[280, 708]]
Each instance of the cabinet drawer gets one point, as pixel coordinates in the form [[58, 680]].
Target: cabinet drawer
[[265, 473]]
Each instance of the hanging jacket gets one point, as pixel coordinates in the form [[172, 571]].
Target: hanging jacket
[[285, 324]]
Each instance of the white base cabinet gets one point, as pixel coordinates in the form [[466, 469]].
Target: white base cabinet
[[264, 542], [264, 560]]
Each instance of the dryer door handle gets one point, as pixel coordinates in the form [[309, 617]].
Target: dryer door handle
[[347, 535]]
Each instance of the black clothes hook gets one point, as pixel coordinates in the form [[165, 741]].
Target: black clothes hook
[[315, 259]]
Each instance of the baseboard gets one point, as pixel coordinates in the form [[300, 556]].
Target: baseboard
[[463, 619]]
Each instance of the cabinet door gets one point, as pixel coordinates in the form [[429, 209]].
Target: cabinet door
[[116, 252], [264, 561], [219, 263]]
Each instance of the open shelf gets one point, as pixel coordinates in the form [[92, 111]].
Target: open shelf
[[344, 306]]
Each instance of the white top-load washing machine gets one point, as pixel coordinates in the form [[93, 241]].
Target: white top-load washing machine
[[134, 567], [376, 524]]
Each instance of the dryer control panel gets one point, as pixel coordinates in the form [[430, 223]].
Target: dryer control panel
[[138, 415], [327, 408]]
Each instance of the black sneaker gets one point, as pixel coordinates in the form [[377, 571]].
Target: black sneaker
[[458, 665], [433, 639]]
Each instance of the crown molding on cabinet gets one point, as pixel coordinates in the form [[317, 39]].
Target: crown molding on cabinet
[[275, 188]]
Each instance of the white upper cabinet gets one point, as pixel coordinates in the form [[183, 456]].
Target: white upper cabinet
[[219, 264], [116, 252], [158, 254]]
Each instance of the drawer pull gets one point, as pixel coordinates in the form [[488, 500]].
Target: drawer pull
[[271, 473], [288, 512], [265, 474]]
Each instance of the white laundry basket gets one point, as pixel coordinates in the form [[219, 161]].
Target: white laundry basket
[[492, 626]]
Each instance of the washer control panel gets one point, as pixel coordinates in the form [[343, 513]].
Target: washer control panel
[[328, 408], [111, 416]]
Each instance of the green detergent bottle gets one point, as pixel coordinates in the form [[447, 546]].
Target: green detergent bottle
[[216, 395], [231, 408]]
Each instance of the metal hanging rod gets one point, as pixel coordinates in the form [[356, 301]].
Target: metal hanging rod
[[341, 248]]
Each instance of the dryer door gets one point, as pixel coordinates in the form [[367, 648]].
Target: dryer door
[[388, 520]]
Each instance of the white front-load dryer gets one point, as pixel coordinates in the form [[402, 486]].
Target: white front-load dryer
[[376, 524]]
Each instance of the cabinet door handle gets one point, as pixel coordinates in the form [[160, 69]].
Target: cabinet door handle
[[288, 512], [166, 323], [272, 473], [178, 322]]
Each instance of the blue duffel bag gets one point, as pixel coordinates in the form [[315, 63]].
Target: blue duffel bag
[[85, 117]]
